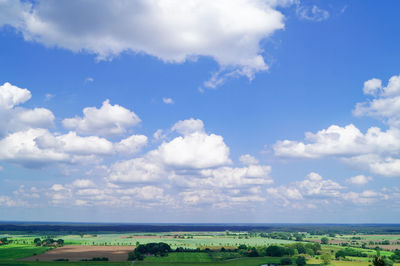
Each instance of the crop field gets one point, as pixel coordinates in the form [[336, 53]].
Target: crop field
[[385, 242], [201, 241], [182, 257], [78, 253]]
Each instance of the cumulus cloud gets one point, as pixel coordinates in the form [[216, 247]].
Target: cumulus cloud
[[131, 145], [196, 150], [174, 31], [228, 177], [386, 102], [315, 190], [315, 185], [15, 118], [6, 201], [136, 170], [248, 159], [375, 150], [372, 86], [108, 120], [83, 183], [359, 180], [188, 126], [11, 95], [365, 197]]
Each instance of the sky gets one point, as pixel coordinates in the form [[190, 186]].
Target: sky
[[223, 111]]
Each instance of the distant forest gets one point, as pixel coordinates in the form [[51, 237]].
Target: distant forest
[[317, 229]]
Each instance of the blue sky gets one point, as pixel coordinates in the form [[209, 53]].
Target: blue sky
[[243, 111]]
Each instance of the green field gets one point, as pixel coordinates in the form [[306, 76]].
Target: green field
[[196, 241], [14, 251], [234, 262]]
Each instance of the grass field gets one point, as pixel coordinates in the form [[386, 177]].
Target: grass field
[[233, 262], [13, 251]]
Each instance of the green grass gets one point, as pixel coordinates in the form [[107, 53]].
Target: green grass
[[181, 257], [233, 262], [13, 251], [219, 256]]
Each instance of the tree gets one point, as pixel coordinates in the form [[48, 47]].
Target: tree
[[300, 261], [325, 240], [326, 259], [37, 241], [378, 261]]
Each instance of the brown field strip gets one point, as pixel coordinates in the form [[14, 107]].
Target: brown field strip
[[77, 253]]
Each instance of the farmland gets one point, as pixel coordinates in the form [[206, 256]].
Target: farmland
[[224, 247]]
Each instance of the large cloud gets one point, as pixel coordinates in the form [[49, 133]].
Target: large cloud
[[15, 118], [385, 103], [11, 95], [108, 120], [195, 149], [375, 150], [229, 31]]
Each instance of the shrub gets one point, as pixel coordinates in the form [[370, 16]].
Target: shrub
[[286, 261]]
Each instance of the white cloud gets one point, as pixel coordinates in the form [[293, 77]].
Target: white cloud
[[57, 187], [173, 31], [341, 141], [131, 145], [108, 120], [313, 13], [89, 80], [310, 192], [375, 150], [315, 185], [386, 102], [248, 159], [14, 118], [359, 180], [83, 183], [11, 96], [378, 164], [228, 177], [136, 170], [159, 135], [22, 192], [372, 86], [365, 197], [8, 202], [196, 150], [49, 96], [188, 126], [168, 100], [21, 148]]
